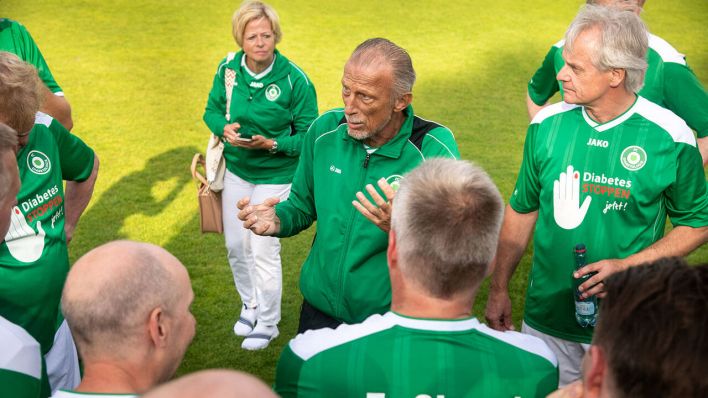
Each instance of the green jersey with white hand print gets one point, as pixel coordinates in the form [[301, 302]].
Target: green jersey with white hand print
[[609, 186], [33, 258]]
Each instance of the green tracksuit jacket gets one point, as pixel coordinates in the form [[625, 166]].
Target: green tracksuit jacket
[[280, 106], [345, 274]]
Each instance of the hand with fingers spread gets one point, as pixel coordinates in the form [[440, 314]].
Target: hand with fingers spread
[[567, 211], [23, 243], [594, 285], [380, 213], [261, 219]]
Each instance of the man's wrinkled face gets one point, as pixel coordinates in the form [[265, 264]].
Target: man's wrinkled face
[[367, 92], [583, 83]]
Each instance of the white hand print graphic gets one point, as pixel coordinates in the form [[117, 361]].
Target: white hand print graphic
[[24, 244], [566, 198]]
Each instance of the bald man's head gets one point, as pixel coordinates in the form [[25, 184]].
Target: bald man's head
[[213, 383], [112, 292]]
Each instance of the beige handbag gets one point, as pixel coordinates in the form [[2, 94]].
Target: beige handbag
[[210, 218]]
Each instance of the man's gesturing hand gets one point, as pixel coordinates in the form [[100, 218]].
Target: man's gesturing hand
[[260, 219], [379, 214]]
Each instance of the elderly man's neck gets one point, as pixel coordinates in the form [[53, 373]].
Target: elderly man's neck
[[388, 132], [113, 378], [611, 105]]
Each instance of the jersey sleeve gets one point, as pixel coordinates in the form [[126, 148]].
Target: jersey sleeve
[[304, 111], [287, 373], [543, 84], [687, 197], [525, 197], [686, 97], [32, 55], [440, 142], [76, 157], [214, 114]]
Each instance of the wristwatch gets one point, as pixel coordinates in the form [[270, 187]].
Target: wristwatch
[[274, 148]]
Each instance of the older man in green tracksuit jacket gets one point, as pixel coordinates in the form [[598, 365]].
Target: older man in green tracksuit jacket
[[374, 140]]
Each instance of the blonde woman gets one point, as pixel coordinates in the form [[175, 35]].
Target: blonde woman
[[272, 103]]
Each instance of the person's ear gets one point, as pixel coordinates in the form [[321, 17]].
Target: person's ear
[[392, 251], [595, 371], [617, 77], [158, 327], [402, 102]]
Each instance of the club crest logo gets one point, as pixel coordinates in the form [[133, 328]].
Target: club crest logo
[[38, 162], [272, 92], [633, 158], [394, 181]]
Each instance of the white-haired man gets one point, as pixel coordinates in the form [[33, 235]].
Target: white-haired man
[[668, 81], [128, 306], [603, 169], [428, 344], [374, 139]]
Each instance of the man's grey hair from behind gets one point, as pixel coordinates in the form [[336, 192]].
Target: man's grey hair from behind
[[447, 216]]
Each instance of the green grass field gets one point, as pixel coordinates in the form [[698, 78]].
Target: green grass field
[[137, 74]]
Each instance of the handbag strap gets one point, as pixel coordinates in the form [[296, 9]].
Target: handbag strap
[[229, 79], [198, 159]]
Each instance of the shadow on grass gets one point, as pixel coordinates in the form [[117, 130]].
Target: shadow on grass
[[133, 194]]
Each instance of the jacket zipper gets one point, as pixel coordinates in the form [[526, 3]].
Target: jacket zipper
[[345, 247]]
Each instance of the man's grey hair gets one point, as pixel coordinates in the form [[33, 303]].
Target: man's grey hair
[[376, 49], [623, 41], [8, 143], [112, 317], [446, 216]]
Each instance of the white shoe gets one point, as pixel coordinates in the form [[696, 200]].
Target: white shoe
[[246, 321], [260, 337]]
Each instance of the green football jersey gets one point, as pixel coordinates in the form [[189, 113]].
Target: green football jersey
[[15, 38], [393, 356], [33, 258], [668, 82], [20, 362], [609, 186]]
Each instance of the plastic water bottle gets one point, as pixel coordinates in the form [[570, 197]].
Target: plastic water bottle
[[585, 309]]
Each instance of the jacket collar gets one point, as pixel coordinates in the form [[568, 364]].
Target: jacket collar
[[279, 71]]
